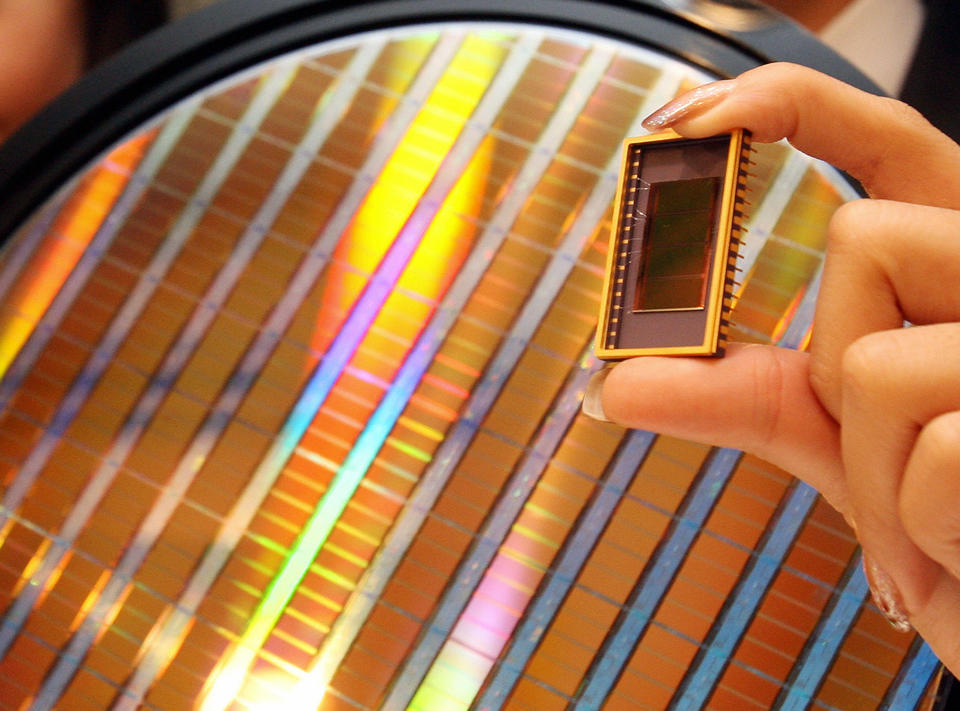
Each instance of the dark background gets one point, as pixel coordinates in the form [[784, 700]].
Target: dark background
[[933, 83]]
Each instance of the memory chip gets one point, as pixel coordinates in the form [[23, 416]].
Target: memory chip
[[673, 246]]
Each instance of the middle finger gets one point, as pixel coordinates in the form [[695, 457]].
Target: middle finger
[[886, 262], [894, 383]]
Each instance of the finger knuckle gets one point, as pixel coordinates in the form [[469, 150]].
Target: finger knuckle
[[868, 365], [903, 114], [767, 379], [927, 501], [760, 91], [863, 239], [848, 230], [940, 441]]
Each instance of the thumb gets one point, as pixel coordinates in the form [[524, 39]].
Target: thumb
[[756, 398]]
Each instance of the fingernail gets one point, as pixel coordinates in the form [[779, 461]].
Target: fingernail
[[592, 405], [885, 595], [690, 104]]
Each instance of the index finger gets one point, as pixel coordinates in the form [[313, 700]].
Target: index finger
[[888, 146]]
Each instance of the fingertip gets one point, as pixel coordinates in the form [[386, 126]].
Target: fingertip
[[636, 390], [687, 397], [689, 104], [886, 595], [887, 145]]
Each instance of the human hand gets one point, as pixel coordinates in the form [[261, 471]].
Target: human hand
[[871, 415]]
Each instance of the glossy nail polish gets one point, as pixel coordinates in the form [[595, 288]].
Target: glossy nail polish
[[885, 595], [690, 104], [592, 405]]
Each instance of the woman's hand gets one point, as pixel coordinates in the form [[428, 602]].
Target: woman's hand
[[871, 415]]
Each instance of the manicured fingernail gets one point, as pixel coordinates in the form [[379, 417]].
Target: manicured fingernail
[[690, 104], [885, 595], [592, 403]]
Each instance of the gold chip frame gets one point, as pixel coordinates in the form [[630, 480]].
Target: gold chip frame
[[722, 270]]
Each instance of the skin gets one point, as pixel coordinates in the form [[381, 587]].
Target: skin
[[870, 416], [41, 54]]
